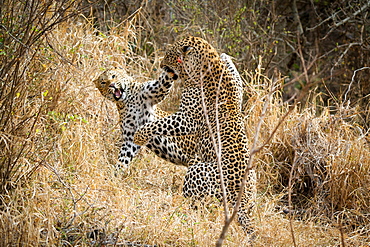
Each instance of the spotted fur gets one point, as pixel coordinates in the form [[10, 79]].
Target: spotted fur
[[136, 103], [210, 104]]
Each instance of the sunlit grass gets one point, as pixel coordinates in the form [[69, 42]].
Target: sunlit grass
[[75, 193]]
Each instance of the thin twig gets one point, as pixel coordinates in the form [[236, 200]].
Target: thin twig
[[353, 79], [282, 119], [246, 174], [216, 147], [253, 152], [290, 201], [296, 17], [342, 241], [219, 153], [341, 57], [300, 54], [75, 201]]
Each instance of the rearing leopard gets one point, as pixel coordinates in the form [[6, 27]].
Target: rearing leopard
[[210, 104]]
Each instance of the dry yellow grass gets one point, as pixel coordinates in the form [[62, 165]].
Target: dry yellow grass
[[74, 193]]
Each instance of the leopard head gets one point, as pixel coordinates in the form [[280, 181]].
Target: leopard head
[[190, 57], [112, 84]]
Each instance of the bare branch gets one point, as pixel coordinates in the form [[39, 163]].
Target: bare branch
[[335, 49], [246, 174], [342, 55], [300, 53], [296, 17], [332, 17], [353, 79], [363, 8]]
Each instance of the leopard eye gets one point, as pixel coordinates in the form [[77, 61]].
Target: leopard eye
[[186, 49], [103, 82], [113, 76]]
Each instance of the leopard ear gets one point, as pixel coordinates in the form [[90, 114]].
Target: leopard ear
[[169, 47]]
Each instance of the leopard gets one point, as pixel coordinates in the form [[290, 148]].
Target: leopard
[[137, 104], [210, 110]]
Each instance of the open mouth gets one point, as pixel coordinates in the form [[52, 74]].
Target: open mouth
[[117, 92]]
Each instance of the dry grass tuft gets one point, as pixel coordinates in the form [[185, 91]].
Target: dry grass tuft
[[72, 196], [326, 157]]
